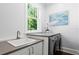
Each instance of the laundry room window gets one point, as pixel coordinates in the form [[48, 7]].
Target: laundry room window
[[32, 17]]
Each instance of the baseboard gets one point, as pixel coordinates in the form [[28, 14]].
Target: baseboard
[[71, 51]]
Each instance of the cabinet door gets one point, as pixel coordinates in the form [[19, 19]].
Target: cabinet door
[[24, 51], [37, 49], [45, 48]]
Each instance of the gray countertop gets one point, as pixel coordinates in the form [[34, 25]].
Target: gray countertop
[[43, 34], [6, 48]]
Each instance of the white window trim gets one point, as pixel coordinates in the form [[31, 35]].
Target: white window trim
[[38, 22]]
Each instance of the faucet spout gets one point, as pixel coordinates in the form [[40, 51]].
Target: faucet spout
[[18, 34]]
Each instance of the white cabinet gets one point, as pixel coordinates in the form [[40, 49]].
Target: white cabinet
[[24, 51], [45, 43], [48, 45], [36, 49]]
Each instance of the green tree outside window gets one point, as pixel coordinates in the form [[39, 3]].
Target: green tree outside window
[[32, 17]]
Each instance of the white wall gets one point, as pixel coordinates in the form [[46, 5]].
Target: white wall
[[13, 17], [70, 32]]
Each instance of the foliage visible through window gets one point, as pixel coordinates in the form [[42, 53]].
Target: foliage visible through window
[[32, 17]]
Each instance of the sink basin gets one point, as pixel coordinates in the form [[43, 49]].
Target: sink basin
[[19, 42]]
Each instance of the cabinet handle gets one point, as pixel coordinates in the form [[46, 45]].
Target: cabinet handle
[[32, 50], [29, 51]]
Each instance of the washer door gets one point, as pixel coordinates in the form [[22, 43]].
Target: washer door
[[52, 45]]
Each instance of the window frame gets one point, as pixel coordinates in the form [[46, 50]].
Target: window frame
[[31, 17], [38, 21]]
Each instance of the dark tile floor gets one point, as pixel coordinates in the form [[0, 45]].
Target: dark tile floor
[[62, 53]]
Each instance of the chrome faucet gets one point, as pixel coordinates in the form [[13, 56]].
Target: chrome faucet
[[18, 35]]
